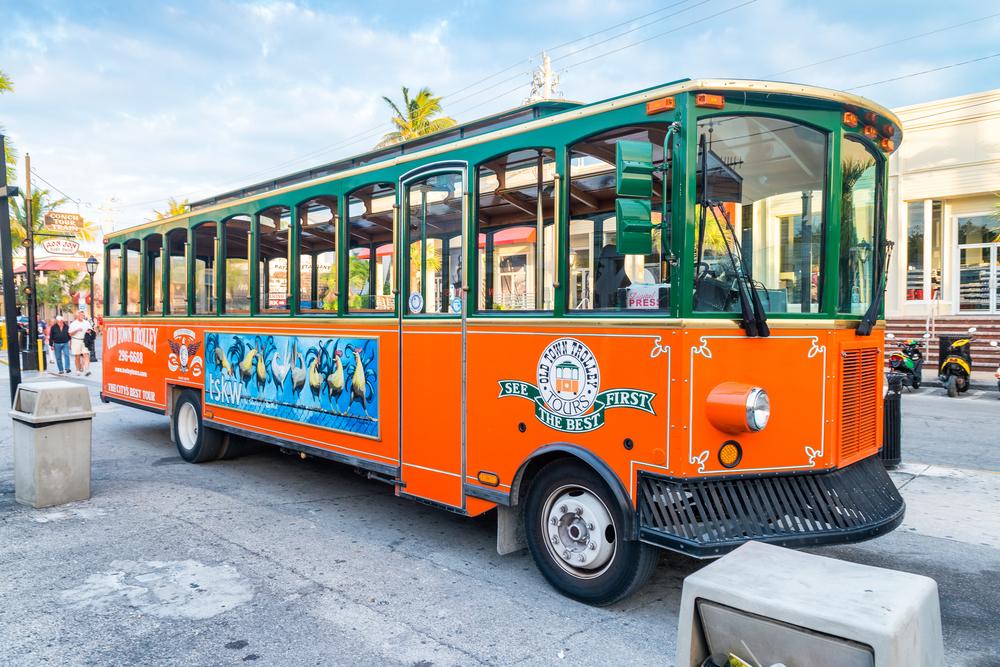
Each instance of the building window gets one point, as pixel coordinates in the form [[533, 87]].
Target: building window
[[514, 231], [923, 250], [915, 251]]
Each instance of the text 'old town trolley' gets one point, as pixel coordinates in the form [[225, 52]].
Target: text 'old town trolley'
[[651, 321]]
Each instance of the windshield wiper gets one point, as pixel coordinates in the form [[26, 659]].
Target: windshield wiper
[[754, 320], [868, 321], [744, 278]]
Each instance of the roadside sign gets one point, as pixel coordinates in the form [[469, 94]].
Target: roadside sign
[[61, 246], [58, 222]]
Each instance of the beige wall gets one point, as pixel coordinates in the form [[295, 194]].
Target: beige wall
[[951, 153]]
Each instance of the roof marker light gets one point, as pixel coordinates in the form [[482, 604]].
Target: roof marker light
[[709, 101], [660, 105], [850, 119], [870, 131]]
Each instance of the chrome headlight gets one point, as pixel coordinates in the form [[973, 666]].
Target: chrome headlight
[[758, 409]]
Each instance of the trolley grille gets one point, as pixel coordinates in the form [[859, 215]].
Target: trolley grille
[[859, 399], [707, 517]]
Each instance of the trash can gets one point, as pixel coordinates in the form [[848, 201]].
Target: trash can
[[52, 437], [892, 423], [767, 605]]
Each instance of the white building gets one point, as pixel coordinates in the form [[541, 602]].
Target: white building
[[944, 215]]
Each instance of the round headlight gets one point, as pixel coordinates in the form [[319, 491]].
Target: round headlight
[[758, 409]]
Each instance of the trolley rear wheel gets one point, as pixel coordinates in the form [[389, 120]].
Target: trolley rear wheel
[[195, 442], [573, 528]]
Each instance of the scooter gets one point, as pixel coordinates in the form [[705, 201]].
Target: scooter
[[909, 361], [956, 368]]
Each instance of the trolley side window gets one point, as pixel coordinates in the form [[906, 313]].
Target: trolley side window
[[600, 277], [203, 260], [514, 231], [177, 268], [434, 230], [317, 222], [272, 259], [859, 174], [153, 268], [113, 304], [132, 269], [371, 255], [236, 277]]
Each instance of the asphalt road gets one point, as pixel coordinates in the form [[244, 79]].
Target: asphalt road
[[963, 431], [272, 560]]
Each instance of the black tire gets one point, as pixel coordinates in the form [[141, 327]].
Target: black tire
[[963, 384], [915, 382], [951, 384], [631, 563], [200, 444]]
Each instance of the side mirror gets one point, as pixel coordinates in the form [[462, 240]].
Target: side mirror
[[890, 336], [972, 329], [634, 207]]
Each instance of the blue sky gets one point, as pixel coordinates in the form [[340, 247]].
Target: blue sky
[[124, 104]]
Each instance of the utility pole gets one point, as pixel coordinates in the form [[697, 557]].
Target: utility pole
[[31, 360], [7, 265]]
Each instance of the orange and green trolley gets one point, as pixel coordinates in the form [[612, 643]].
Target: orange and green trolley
[[647, 322]]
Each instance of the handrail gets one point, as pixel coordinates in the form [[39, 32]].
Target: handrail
[[555, 231]]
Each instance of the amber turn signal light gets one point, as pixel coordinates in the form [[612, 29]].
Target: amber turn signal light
[[705, 100], [887, 145], [870, 131], [488, 478], [660, 105], [730, 454], [888, 130], [850, 119]]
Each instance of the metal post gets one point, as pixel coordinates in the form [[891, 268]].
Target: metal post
[[31, 360], [91, 297], [9, 293]]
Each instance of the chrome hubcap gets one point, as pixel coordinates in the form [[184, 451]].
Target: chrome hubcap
[[580, 531], [187, 427]]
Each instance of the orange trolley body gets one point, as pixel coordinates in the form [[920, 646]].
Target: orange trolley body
[[470, 410]]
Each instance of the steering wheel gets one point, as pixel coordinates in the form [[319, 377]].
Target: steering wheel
[[702, 272]]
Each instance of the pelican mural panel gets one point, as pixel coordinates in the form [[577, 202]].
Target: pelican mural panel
[[327, 382]]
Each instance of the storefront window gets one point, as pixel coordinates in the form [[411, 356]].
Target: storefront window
[[915, 251], [766, 183], [857, 227]]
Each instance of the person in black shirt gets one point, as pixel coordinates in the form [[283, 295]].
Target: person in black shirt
[[59, 337]]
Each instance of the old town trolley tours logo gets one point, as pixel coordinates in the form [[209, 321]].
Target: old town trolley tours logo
[[568, 394]]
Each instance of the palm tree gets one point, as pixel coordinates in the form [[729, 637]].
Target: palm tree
[[174, 207], [40, 204], [10, 153], [419, 116]]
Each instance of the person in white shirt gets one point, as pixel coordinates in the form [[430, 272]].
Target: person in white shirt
[[78, 329]]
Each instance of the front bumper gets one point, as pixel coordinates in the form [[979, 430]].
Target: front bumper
[[706, 518]]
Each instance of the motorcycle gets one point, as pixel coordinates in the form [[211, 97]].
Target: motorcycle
[[909, 361], [956, 367]]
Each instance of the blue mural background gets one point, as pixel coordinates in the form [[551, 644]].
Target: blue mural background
[[327, 382]]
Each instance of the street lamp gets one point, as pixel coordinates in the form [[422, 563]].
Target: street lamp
[[91, 270]]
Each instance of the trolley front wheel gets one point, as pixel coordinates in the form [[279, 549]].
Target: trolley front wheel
[[573, 528]]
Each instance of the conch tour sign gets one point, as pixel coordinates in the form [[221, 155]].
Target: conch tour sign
[[568, 396]]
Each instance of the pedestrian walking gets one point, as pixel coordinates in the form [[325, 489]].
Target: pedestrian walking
[[78, 346], [60, 339]]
